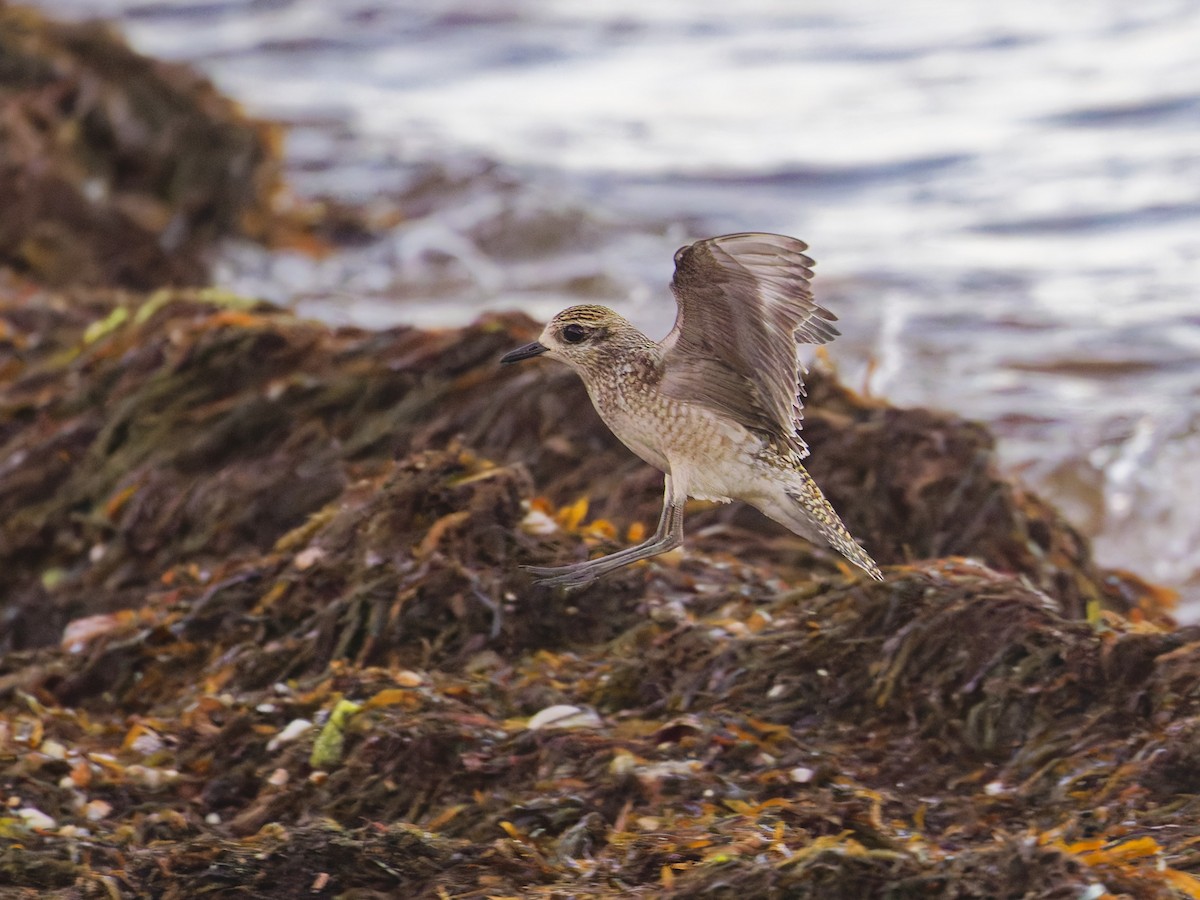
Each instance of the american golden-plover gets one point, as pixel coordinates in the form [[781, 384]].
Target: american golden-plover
[[716, 404]]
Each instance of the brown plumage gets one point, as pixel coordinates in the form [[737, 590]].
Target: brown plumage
[[717, 404]]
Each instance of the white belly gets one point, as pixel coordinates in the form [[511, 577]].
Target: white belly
[[714, 458]]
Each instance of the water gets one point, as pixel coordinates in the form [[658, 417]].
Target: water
[[1004, 199]]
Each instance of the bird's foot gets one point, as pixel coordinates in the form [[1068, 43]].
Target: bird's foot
[[581, 573], [574, 576]]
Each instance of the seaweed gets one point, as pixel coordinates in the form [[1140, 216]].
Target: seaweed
[[297, 652], [265, 631]]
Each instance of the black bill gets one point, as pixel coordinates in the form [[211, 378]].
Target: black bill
[[527, 352]]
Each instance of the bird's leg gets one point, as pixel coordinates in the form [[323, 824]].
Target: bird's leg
[[667, 536]]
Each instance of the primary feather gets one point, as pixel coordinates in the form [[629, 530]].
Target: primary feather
[[744, 302]]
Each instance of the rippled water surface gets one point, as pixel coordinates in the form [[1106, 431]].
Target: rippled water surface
[[1004, 199]]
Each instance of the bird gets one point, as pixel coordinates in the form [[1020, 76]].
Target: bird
[[717, 404]]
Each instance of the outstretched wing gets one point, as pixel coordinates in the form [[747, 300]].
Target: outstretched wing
[[744, 303]]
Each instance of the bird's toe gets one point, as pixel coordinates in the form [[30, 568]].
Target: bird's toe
[[561, 576]]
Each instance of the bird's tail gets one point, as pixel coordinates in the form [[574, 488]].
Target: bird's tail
[[807, 512]]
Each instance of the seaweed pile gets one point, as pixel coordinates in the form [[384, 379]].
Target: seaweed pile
[[295, 648], [265, 631]]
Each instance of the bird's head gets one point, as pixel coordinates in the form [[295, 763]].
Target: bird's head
[[587, 338]]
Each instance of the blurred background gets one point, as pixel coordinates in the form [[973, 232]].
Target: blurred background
[[1003, 199]]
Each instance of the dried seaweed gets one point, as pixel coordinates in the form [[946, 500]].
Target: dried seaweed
[[298, 652], [119, 170], [265, 631]]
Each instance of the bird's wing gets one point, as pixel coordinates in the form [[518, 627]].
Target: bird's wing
[[744, 303]]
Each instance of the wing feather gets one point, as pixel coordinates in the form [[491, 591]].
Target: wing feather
[[745, 301]]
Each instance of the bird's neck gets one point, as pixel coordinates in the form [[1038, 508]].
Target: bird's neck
[[634, 365]]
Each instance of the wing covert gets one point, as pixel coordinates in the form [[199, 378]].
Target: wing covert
[[745, 301]]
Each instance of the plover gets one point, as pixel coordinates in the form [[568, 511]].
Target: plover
[[717, 404]]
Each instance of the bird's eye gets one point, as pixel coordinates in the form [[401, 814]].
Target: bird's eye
[[573, 334]]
